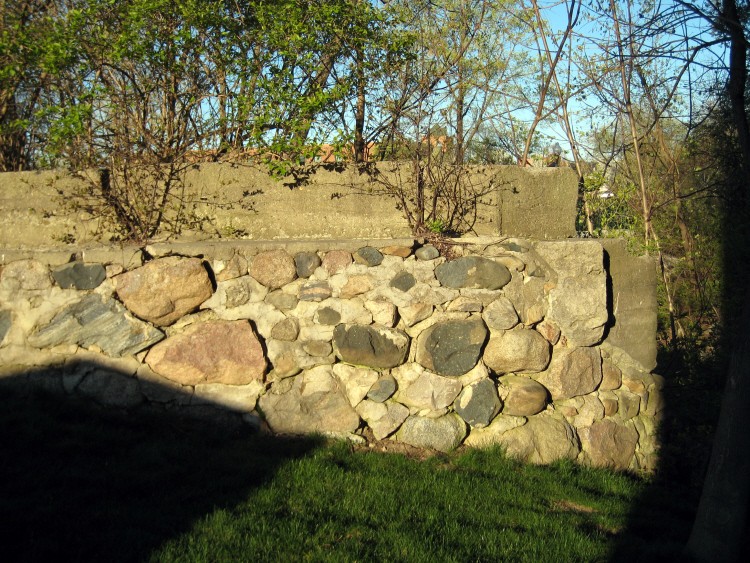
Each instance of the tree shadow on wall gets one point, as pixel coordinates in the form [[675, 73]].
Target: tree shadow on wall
[[83, 482]]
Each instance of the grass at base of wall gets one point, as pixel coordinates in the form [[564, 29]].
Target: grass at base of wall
[[82, 483]]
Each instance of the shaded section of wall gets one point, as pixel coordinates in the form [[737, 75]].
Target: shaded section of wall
[[111, 485]]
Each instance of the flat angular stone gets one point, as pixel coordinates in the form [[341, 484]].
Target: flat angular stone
[[371, 346], [519, 350], [611, 376], [383, 389], [164, 289], [225, 352], [608, 444], [282, 301], [368, 256], [327, 316], [306, 263], [549, 330], [315, 291], [578, 302], [492, 435], [472, 272], [522, 396], [314, 401], [428, 392], [465, 304], [94, 321], [403, 281], [355, 285], [412, 314], [478, 403], [336, 260], [529, 298], [356, 381], [78, 275], [452, 348], [572, 372], [225, 270], [443, 434], [235, 292], [273, 268], [500, 314], [317, 348], [382, 418], [383, 313]]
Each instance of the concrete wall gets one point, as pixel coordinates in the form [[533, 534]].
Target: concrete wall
[[49, 209]]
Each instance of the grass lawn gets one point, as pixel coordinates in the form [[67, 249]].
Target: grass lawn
[[81, 483]]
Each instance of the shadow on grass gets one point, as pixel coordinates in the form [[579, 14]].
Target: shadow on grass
[[82, 482]]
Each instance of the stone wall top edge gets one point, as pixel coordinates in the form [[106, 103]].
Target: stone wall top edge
[[220, 248]]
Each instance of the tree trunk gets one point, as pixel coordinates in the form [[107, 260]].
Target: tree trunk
[[721, 521], [720, 525]]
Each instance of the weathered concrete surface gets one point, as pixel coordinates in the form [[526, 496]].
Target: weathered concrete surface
[[536, 202], [632, 280], [243, 201]]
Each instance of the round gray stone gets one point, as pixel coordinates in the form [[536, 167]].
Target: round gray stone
[[452, 348], [328, 316], [443, 434], [427, 252], [378, 348], [368, 256], [473, 272], [403, 281], [306, 263], [383, 389], [478, 403]]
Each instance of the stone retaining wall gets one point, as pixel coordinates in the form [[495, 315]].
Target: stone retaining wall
[[511, 342]]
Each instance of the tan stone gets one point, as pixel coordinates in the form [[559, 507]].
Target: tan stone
[[412, 314], [355, 285], [611, 376], [382, 418], [225, 352], [310, 402], [522, 396], [336, 260], [572, 372], [543, 439], [273, 268], [395, 250], [240, 398], [518, 350], [608, 444], [25, 275], [164, 289]]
